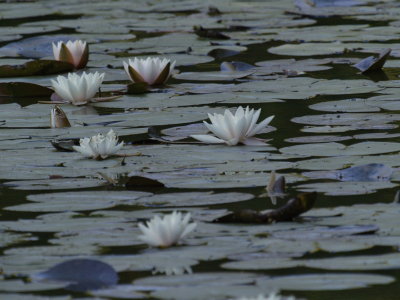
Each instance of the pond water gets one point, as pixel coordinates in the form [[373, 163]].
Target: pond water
[[57, 206]]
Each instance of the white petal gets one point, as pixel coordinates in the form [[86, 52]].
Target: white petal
[[209, 139], [56, 50], [126, 67], [260, 126]]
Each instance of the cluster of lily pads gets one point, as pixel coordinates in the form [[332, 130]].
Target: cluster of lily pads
[[229, 128], [333, 120]]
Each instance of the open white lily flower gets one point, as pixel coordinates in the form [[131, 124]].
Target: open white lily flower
[[152, 70], [76, 53], [99, 146], [167, 231], [271, 296], [77, 89], [234, 129]]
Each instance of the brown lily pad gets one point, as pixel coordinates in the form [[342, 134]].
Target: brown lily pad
[[35, 67], [23, 89], [134, 182]]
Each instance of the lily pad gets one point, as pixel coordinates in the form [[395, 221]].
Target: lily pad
[[23, 89], [35, 67], [81, 274]]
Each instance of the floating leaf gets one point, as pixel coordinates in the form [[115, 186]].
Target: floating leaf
[[221, 53], [35, 67], [81, 274], [33, 47], [363, 173], [345, 188], [23, 89], [235, 66], [138, 182], [137, 88]]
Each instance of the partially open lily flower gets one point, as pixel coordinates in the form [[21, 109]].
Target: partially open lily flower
[[58, 118], [76, 53], [99, 146], [167, 231], [152, 70], [234, 129], [78, 89]]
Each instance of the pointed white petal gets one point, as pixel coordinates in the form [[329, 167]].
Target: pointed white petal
[[257, 128], [209, 139]]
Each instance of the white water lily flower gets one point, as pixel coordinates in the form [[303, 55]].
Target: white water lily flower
[[77, 89], [167, 231], [76, 53], [152, 70], [99, 146], [234, 129], [272, 296]]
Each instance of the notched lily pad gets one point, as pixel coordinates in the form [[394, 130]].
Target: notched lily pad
[[35, 67]]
